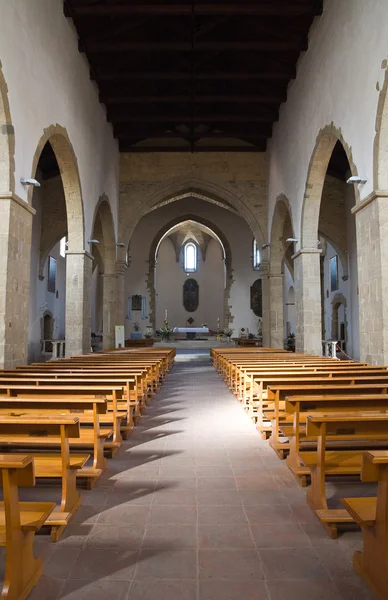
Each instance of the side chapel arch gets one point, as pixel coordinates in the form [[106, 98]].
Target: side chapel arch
[[227, 317]]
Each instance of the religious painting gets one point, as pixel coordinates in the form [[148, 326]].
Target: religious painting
[[190, 295], [257, 298], [334, 273], [136, 302], [52, 273]]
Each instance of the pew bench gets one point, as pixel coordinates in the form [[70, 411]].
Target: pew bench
[[19, 521], [371, 515], [91, 437], [344, 431], [15, 430]]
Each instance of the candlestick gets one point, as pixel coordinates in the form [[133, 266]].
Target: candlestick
[[166, 315]]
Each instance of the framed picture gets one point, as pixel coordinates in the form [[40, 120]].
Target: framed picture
[[334, 273], [52, 273]]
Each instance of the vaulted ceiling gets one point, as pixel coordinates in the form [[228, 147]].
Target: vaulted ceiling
[[192, 75]]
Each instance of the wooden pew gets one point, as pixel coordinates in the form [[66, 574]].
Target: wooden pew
[[349, 433], [16, 429], [91, 437], [282, 419], [19, 521], [371, 514]]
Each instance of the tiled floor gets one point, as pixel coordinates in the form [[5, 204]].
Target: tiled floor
[[196, 506]]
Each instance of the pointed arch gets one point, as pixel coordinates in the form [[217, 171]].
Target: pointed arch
[[7, 140], [380, 147], [281, 226], [58, 138], [103, 215], [324, 146]]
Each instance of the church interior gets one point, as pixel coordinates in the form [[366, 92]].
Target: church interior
[[193, 330]]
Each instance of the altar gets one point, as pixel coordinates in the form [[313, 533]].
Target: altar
[[191, 332]]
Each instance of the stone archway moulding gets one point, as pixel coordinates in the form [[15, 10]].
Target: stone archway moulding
[[278, 246], [68, 166], [380, 146], [227, 317], [336, 302], [186, 188], [324, 146], [104, 212], [7, 141]]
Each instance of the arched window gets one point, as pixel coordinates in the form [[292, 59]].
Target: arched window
[[190, 257], [256, 256]]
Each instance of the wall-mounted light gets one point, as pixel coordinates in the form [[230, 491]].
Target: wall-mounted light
[[292, 240], [264, 246], [93, 242], [29, 181], [356, 179], [120, 245]]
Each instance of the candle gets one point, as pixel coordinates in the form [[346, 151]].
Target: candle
[[166, 315]]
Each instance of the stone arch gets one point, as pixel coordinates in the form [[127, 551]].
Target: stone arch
[[324, 146], [107, 251], [380, 147], [187, 188], [47, 320], [58, 137], [7, 140], [227, 317], [279, 247], [336, 302]]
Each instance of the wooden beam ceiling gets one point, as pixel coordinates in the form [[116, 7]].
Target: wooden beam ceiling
[[192, 76]]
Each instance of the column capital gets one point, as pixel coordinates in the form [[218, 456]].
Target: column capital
[[306, 251], [369, 199], [79, 252], [18, 200], [121, 267]]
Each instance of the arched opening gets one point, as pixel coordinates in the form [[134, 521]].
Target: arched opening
[[7, 140], [339, 321], [328, 229], [104, 278], [59, 215], [281, 272]]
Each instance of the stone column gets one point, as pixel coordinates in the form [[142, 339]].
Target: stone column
[[78, 302], [276, 310], [121, 268], [308, 300], [109, 303], [15, 256], [266, 308], [372, 256]]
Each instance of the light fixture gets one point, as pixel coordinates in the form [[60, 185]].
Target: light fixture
[[93, 242], [120, 245], [29, 181], [356, 179], [264, 246], [292, 240]]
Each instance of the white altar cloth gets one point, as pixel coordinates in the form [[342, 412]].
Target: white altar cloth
[[191, 330]]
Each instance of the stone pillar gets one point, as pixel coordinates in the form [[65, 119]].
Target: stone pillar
[[308, 300], [15, 256], [109, 303], [266, 309], [78, 302], [121, 267], [276, 310], [372, 256]]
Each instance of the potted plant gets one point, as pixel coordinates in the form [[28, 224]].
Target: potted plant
[[289, 342], [136, 334], [228, 332], [165, 332]]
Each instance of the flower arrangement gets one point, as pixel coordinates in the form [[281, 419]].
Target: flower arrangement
[[165, 331], [136, 326], [228, 332]]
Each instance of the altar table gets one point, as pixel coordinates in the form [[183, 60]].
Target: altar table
[[191, 331]]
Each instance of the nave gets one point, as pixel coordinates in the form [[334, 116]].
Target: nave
[[196, 506]]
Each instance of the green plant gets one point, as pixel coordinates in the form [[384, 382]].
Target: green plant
[[251, 336], [165, 331], [148, 334], [136, 326], [228, 332]]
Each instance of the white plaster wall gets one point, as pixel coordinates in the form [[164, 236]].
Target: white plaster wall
[[235, 230], [170, 278], [48, 83], [40, 298], [337, 82]]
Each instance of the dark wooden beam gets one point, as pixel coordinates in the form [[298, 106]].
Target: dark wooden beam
[[275, 75], [197, 136], [198, 99], [279, 45], [144, 149], [267, 9], [217, 118]]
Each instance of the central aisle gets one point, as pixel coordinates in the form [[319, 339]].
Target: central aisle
[[196, 506]]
